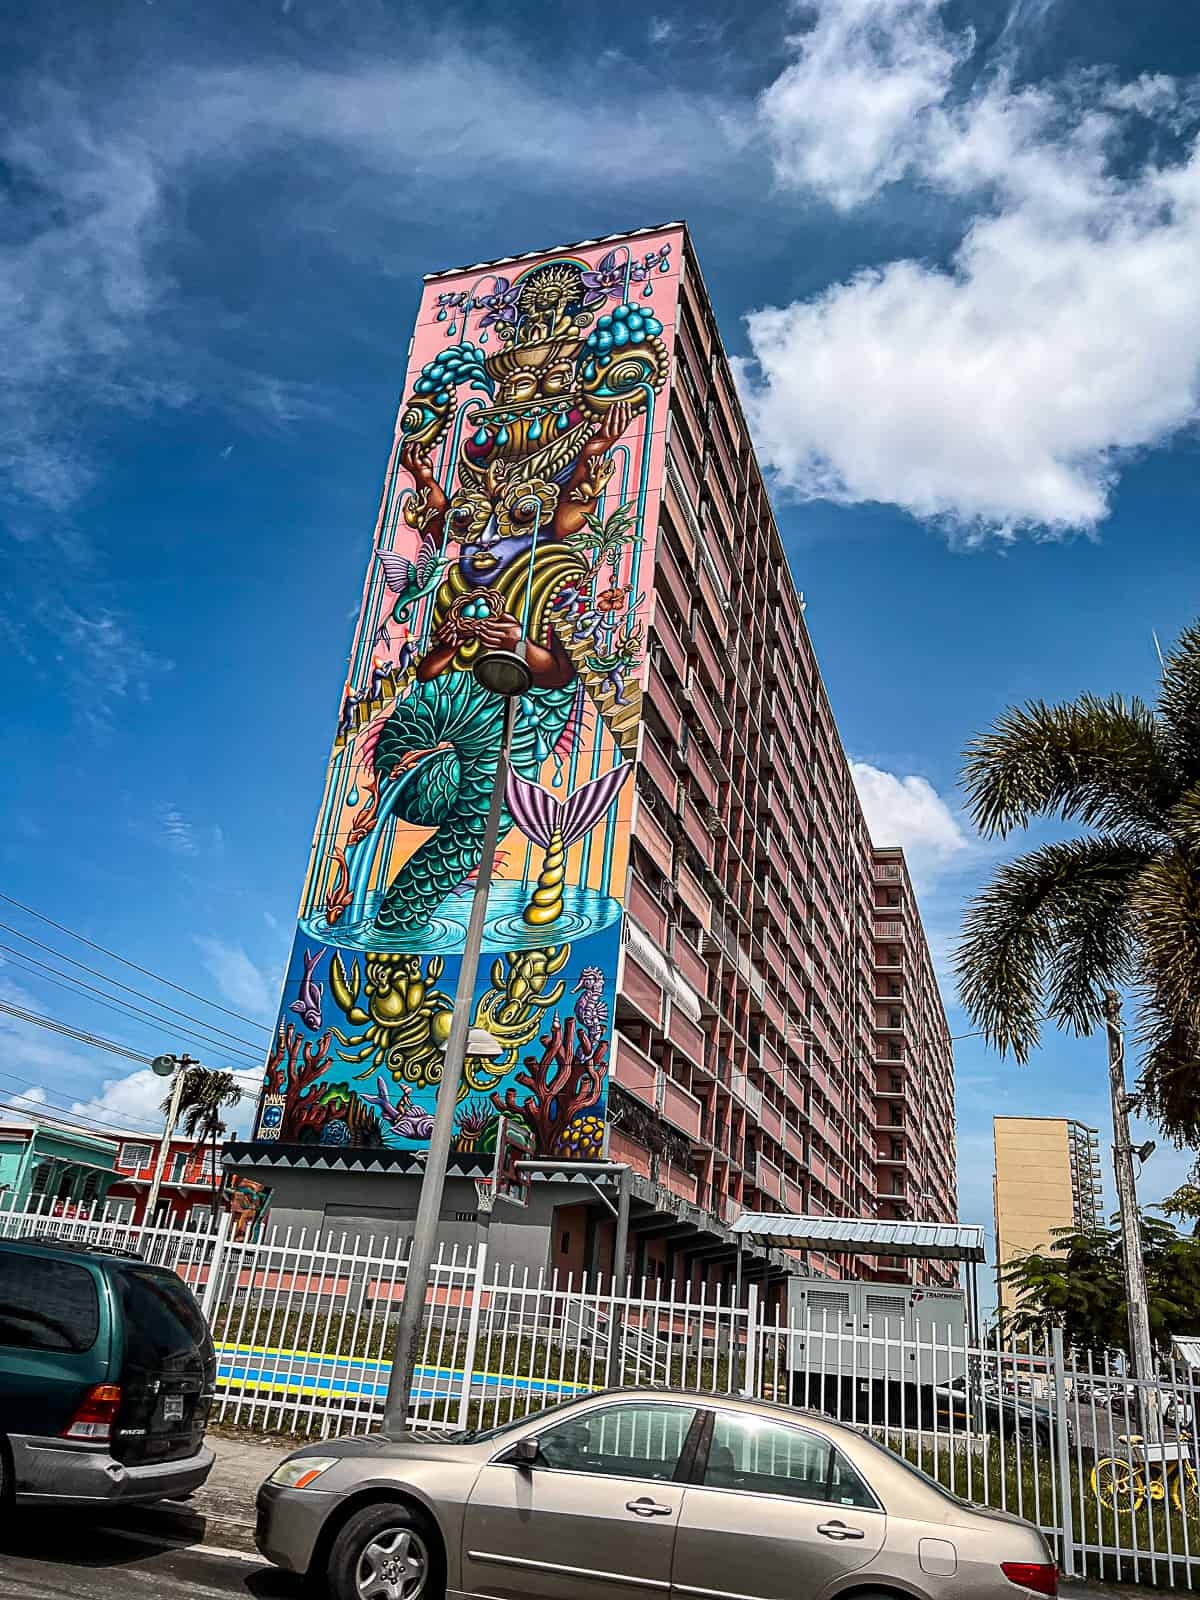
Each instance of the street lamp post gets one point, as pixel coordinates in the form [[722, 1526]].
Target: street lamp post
[[505, 673]]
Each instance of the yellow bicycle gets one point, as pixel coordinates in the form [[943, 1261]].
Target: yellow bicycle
[[1149, 1472]]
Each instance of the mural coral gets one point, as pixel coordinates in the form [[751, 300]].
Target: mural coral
[[519, 509]]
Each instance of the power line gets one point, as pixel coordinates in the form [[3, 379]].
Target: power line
[[117, 984], [74, 985], [54, 1104], [74, 1033], [52, 1114], [145, 971]]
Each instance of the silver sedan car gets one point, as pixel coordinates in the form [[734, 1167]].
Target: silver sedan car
[[640, 1495]]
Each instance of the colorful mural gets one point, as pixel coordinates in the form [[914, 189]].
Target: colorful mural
[[520, 503]]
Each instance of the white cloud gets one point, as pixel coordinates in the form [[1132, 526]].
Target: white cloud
[[177, 832], [841, 117], [1004, 391], [238, 979], [909, 812], [29, 1100], [131, 1102], [90, 313]]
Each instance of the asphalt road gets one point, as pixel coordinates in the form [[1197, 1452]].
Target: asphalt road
[[138, 1555]]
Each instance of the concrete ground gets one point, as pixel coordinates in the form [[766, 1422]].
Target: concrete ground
[[198, 1549]]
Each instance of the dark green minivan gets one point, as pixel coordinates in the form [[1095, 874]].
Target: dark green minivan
[[106, 1378]]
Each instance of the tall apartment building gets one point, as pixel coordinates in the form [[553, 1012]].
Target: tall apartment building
[[915, 1176], [1047, 1177], [760, 1025]]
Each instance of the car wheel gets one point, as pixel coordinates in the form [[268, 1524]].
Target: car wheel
[[386, 1552]]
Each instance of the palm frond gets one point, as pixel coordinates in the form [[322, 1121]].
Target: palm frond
[[1101, 762], [1170, 1072], [1166, 917], [1185, 821], [1179, 702], [1045, 937]]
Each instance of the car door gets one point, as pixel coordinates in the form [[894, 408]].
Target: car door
[[776, 1512], [595, 1515]]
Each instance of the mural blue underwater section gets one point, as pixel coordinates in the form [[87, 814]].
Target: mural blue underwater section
[[520, 505]]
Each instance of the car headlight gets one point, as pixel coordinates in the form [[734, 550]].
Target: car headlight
[[300, 1471]]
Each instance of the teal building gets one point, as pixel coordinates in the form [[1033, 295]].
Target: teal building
[[46, 1162]]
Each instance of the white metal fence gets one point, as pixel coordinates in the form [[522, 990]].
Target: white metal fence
[[303, 1324]]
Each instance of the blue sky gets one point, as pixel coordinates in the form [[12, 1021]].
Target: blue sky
[[952, 246]]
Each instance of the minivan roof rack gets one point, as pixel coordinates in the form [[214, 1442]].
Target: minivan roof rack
[[79, 1247]]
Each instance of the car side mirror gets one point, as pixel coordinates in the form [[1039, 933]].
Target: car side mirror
[[526, 1452]]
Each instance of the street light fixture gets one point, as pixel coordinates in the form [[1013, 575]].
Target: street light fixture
[[505, 673]]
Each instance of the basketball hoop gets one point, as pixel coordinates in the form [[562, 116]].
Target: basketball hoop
[[485, 1197]]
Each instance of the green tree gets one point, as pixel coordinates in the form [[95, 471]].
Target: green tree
[[1118, 907], [1079, 1283], [206, 1093]]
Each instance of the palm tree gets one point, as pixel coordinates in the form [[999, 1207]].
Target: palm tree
[[1116, 908], [206, 1093]]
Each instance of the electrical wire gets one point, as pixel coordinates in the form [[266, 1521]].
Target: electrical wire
[[74, 986], [145, 971], [55, 1026], [117, 984], [88, 1124], [54, 1106]]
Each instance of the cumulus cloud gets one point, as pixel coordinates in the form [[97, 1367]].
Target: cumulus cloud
[[909, 812], [237, 977], [28, 1100], [1003, 391], [132, 1101], [842, 116]]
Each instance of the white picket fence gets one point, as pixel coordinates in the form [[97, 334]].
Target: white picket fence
[[303, 1325]]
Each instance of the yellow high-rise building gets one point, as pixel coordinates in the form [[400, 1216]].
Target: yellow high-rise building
[[1047, 1177]]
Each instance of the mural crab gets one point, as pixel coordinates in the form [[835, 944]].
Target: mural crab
[[404, 1019]]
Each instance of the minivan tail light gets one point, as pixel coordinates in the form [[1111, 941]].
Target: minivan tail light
[[95, 1414], [1040, 1576]]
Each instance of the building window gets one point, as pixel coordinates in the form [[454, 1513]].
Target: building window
[[179, 1163], [134, 1157]]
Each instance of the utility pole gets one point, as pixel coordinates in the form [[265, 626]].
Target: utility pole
[[510, 678], [182, 1064], [1140, 1349]]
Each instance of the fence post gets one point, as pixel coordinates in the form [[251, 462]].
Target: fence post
[[1062, 1445], [216, 1266], [750, 1377], [464, 1399]]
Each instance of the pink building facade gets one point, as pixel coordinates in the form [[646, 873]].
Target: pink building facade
[[689, 981]]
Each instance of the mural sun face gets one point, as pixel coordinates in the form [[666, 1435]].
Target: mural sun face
[[520, 504]]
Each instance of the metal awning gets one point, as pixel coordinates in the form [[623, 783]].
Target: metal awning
[[1185, 1347], [925, 1241]]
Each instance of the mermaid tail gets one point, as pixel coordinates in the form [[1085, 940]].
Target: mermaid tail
[[459, 725]]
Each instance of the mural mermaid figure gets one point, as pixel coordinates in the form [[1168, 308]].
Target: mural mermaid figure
[[528, 477]]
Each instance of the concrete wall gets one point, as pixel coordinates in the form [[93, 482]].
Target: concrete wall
[[384, 1205]]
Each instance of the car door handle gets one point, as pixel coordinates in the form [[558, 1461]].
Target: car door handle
[[645, 1507], [839, 1530]]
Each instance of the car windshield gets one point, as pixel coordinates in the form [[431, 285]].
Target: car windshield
[[478, 1435]]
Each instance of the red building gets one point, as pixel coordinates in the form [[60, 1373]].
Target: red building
[[186, 1191]]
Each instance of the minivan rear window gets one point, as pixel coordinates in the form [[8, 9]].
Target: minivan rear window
[[162, 1320], [47, 1305]]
